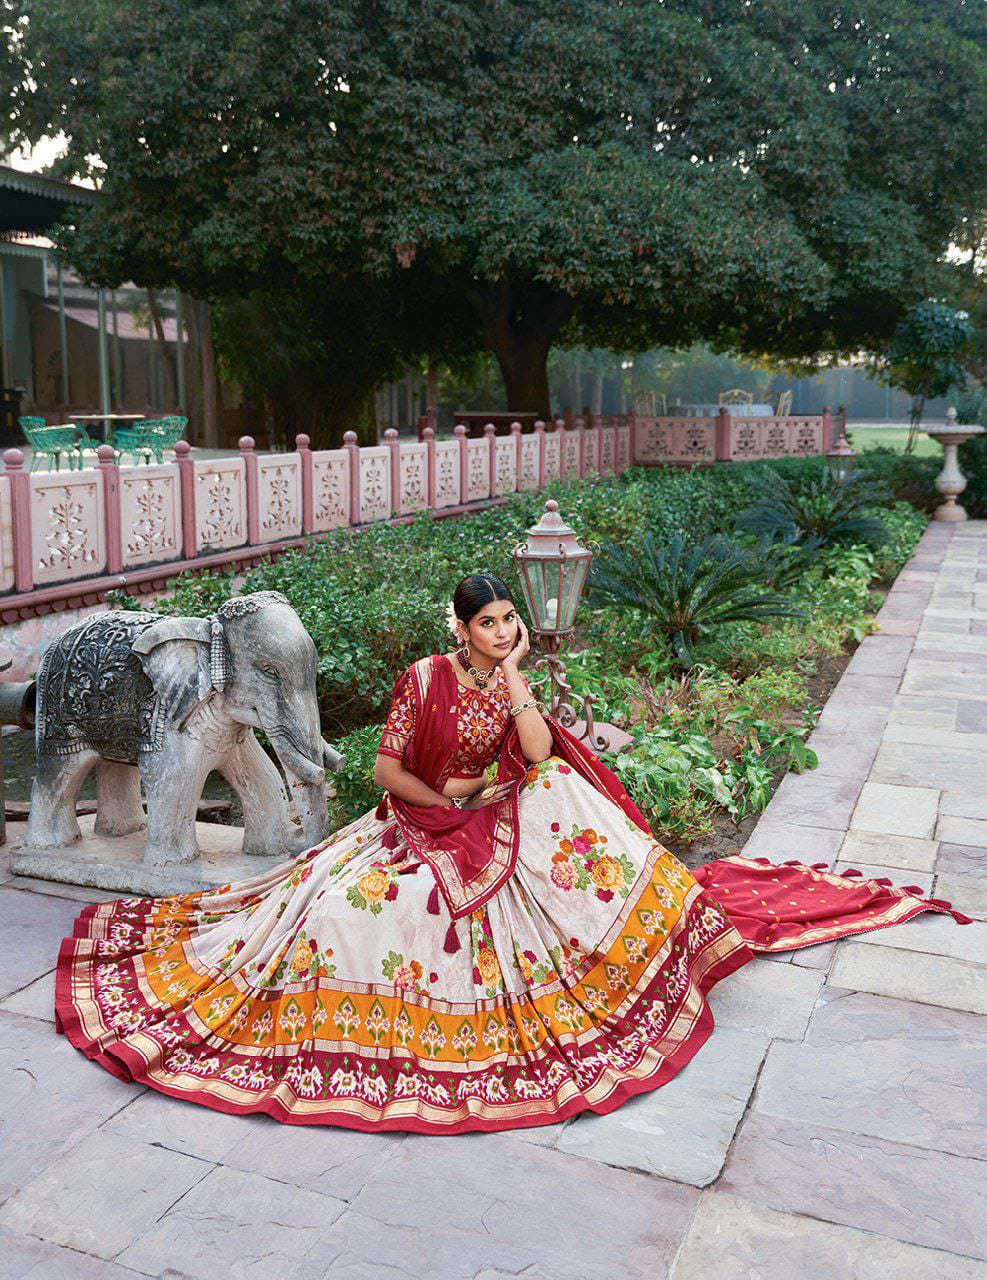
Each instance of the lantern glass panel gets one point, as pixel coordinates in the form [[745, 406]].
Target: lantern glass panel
[[574, 577]]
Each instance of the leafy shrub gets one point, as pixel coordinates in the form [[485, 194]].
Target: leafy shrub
[[356, 791], [685, 592], [819, 510]]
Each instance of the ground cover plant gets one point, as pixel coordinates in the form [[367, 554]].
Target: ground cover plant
[[717, 711]]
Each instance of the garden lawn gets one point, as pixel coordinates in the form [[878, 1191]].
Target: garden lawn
[[864, 438], [711, 736]]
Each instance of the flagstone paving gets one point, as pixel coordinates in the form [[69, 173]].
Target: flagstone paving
[[833, 1125]]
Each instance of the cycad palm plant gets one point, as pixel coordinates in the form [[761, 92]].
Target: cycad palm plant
[[685, 591], [820, 507]]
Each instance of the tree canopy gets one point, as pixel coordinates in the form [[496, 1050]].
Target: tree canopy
[[770, 177]]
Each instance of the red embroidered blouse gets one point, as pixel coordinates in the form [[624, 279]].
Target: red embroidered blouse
[[483, 718]]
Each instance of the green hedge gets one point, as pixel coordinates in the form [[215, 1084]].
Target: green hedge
[[375, 600]]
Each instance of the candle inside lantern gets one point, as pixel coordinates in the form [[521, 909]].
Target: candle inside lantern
[[551, 612]]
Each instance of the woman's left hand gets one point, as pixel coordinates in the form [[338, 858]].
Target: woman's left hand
[[521, 647]]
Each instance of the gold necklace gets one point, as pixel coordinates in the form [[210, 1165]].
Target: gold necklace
[[482, 678]]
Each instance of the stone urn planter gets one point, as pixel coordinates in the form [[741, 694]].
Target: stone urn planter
[[951, 481]]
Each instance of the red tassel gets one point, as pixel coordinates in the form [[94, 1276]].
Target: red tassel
[[851, 871], [939, 902], [792, 862], [432, 906], [913, 888], [883, 881], [960, 918], [451, 944], [820, 866]]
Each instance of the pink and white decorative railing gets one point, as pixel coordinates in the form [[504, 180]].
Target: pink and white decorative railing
[[66, 538]]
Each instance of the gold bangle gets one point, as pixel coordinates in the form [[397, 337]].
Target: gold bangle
[[523, 706]]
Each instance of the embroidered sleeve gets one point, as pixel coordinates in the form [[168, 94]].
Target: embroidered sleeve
[[400, 724]]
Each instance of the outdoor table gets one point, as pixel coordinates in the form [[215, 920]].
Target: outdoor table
[[109, 421], [711, 410]]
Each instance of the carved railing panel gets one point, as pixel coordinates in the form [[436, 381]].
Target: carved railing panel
[[553, 455], [446, 474], [375, 483], [279, 496], [477, 470], [623, 448], [220, 505], [530, 461], [591, 450], [608, 450], [413, 462], [330, 489], [570, 454], [505, 465], [68, 532], [150, 515]]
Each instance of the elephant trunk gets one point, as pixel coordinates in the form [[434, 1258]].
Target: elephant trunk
[[306, 785]]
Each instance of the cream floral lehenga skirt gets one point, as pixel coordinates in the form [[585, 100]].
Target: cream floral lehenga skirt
[[321, 992]]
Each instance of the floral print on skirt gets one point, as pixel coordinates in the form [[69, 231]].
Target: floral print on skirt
[[322, 992]]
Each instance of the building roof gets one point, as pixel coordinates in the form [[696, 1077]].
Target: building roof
[[31, 202], [127, 327]]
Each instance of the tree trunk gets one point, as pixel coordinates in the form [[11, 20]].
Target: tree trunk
[[171, 397], [432, 393], [210, 389], [520, 321], [193, 370]]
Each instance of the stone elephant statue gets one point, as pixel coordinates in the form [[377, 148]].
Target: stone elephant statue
[[165, 701]]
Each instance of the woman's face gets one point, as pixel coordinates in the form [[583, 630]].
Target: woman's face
[[494, 630]]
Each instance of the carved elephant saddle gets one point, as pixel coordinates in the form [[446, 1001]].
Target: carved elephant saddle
[[93, 693]]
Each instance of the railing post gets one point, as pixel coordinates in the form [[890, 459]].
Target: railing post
[[490, 435], [722, 430], [540, 433], [581, 432], [428, 435], [423, 421], [20, 505], [394, 445], [250, 486], [351, 447], [302, 445], [827, 429], [516, 433], [459, 431], [186, 484], [105, 455]]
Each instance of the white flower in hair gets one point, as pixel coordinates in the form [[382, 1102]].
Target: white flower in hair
[[451, 620]]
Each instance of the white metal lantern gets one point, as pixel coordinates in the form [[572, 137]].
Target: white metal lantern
[[552, 565], [840, 459]]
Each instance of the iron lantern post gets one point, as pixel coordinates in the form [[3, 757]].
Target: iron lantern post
[[553, 565], [840, 458]]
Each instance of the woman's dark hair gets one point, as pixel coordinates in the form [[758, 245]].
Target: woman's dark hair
[[474, 591]]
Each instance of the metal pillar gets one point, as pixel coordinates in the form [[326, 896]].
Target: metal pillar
[[104, 362], [63, 339], [117, 362], [180, 349], [6, 373]]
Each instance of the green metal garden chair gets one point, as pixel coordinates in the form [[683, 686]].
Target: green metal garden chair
[[50, 442], [135, 440], [166, 434]]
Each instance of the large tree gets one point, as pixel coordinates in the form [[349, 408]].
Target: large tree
[[770, 176]]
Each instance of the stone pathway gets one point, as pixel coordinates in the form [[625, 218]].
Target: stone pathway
[[833, 1126]]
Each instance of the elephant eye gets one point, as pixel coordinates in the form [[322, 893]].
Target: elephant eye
[[270, 671]]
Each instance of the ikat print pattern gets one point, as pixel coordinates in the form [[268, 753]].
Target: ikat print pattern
[[556, 1001]]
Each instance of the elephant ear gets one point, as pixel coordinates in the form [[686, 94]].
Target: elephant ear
[[175, 656]]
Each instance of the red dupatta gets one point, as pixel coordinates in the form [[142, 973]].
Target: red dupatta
[[472, 852]]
